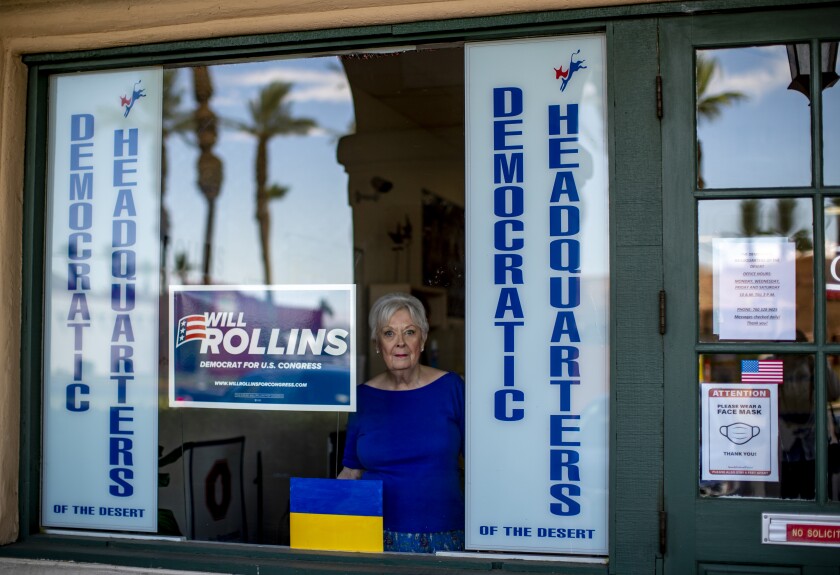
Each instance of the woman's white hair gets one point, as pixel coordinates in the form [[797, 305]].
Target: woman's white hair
[[389, 304]]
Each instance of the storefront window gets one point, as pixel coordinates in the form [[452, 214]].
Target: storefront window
[[311, 172], [218, 235], [753, 126]]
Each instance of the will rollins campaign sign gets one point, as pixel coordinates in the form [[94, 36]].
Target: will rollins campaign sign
[[101, 301], [273, 347]]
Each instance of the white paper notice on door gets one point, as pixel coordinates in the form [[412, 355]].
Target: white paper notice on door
[[755, 288], [739, 432]]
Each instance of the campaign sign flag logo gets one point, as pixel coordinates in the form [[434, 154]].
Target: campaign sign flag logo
[[335, 514], [191, 327], [273, 347], [762, 371]]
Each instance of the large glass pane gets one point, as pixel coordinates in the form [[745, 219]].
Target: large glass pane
[[833, 417], [753, 453], [335, 170], [831, 113], [301, 174], [329, 170], [755, 275], [253, 195], [753, 128], [832, 268]]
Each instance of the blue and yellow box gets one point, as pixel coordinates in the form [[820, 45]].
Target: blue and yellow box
[[336, 514]]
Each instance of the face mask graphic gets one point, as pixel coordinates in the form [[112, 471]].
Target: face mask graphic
[[739, 433]]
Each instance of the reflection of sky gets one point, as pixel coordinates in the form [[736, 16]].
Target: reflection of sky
[[722, 219], [311, 227], [831, 133], [763, 140]]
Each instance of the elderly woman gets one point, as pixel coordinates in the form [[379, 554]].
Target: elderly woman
[[408, 432]]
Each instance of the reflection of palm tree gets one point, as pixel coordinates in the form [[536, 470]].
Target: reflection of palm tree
[[270, 117], [182, 267], [785, 222], [709, 106], [174, 121], [209, 165]]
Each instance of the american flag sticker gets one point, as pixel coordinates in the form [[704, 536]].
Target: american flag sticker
[[191, 327], [762, 371]]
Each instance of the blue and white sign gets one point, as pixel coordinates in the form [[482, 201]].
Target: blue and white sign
[[537, 296], [102, 297], [255, 347]]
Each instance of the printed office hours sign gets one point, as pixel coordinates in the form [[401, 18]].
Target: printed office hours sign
[[101, 303], [537, 342], [755, 288], [254, 347]]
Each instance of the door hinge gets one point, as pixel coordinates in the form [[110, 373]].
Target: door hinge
[[659, 111], [663, 531], [662, 312]]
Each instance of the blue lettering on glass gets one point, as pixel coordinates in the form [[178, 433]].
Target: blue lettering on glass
[[564, 185], [120, 486], [122, 297], [564, 248], [118, 414], [74, 391], [509, 302], [502, 232], [120, 451], [74, 251], [508, 167], [507, 268], [508, 201], [81, 186], [564, 292], [564, 465], [507, 102], [563, 221], [78, 277], [508, 240], [565, 255], [79, 222], [503, 410], [126, 160], [124, 233], [565, 493]]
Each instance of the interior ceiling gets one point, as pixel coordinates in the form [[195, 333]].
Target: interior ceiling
[[420, 89]]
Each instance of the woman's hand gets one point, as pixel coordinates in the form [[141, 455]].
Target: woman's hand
[[348, 473]]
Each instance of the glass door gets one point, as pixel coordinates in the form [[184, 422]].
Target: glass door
[[752, 381]]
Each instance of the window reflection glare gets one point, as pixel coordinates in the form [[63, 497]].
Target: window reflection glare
[[752, 130], [831, 114]]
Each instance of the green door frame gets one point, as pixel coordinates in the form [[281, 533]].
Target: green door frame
[[710, 535]]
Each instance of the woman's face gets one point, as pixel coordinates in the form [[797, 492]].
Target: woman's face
[[400, 342]]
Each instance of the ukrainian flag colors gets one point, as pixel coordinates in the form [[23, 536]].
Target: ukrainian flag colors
[[336, 514]]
